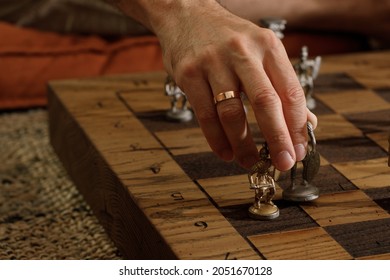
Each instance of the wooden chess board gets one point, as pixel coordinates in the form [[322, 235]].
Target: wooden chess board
[[161, 193]]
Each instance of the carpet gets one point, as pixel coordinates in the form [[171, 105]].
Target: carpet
[[42, 214]]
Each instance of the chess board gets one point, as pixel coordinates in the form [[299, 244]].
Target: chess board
[[161, 193]]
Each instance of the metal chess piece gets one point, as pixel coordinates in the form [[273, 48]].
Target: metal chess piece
[[305, 190], [177, 113], [262, 181], [307, 71], [277, 25]]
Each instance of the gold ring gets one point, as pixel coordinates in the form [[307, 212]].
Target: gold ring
[[226, 95]]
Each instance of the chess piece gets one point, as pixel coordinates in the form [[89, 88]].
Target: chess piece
[[307, 71], [177, 113], [262, 181], [277, 25], [305, 190]]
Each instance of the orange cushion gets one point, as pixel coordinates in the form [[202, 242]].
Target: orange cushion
[[30, 58]]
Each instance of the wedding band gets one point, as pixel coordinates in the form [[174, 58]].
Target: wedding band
[[226, 95]]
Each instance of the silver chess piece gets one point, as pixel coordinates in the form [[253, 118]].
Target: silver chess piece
[[277, 25], [179, 111], [307, 71], [305, 190], [262, 181]]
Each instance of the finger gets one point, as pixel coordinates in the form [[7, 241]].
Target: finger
[[283, 78], [232, 116], [312, 118], [201, 99], [268, 111]]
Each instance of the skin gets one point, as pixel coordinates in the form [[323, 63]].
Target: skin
[[208, 50], [365, 17]]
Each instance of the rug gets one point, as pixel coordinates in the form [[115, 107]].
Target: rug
[[42, 214]]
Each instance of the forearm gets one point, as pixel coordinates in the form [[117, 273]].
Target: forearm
[[366, 17], [159, 14]]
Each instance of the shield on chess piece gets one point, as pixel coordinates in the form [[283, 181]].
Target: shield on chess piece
[[311, 166]]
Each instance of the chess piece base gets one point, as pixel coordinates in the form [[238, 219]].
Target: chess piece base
[[179, 115], [301, 193], [266, 211]]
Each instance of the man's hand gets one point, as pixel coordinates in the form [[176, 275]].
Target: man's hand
[[208, 50]]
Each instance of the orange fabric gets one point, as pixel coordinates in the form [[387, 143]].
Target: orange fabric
[[30, 58]]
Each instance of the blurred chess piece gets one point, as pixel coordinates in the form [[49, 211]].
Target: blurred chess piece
[[277, 25], [307, 71], [179, 111], [262, 181], [305, 190]]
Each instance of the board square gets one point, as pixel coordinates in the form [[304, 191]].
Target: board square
[[312, 243], [366, 174], [291, 217], [356, 101], [203, 165], [184, 141], [232, 190], [343, 208], [381, 138], [371, 122], [376, 236], [334, 82], [335, 126], [384, 93], [349, 149]]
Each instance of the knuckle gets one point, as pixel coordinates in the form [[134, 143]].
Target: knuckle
[[298, 131], [264, 98], [187, 70], [269, 39], [238, 45], [230, 112], [294, 95], [278, 138]]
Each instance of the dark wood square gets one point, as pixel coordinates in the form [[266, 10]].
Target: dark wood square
[[332, 82], [363, 238], [349, 149], [207, 165], [291, 217]]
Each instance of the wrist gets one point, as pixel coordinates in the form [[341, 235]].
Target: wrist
[[161, 14]]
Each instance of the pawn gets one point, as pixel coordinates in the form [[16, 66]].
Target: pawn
[[305, 190], [262, 181], [177, 113]]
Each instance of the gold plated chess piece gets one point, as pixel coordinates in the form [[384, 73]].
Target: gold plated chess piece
[[305, 190], [262, 181]]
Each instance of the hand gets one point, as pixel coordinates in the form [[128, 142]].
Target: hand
[[210, 51]]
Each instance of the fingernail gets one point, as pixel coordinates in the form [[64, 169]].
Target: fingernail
[[284, 161], [300, 152]]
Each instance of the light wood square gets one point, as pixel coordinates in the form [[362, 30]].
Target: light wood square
[[335, 126], [232, 190], [343, 208], [381, 138], [354, 101], [305, 244], [366, 174], [376, 257], [184, 141], [372, 77]]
